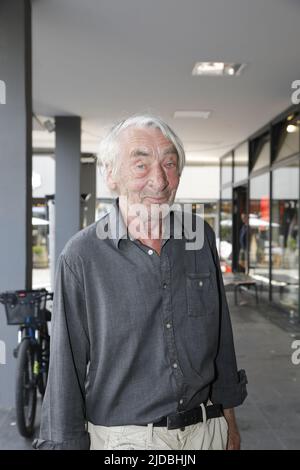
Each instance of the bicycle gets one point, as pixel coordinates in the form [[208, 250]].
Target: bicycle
[[27, 308]]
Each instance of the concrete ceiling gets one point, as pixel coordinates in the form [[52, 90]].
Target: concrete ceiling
[[107, 59]]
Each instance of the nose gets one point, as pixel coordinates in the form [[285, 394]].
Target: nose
[[158, 178]]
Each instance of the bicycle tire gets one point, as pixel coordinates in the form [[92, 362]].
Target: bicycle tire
[[26, 390], [43, 377]]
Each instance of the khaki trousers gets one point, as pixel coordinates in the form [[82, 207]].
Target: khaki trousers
[[210, 434]]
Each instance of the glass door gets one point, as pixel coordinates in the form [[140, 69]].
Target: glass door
[[240, 229]]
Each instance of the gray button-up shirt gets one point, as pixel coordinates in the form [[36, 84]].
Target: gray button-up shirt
[[135, 336]]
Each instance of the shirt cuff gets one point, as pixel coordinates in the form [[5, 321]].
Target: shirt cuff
[[231, 395], [82, 443]]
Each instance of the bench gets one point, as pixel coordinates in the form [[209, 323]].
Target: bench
[[238, 281]]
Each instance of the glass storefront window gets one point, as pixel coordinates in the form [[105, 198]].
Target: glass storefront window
[[262, 159], [40, 245], [43, 183], [226, 169], [259, 233], [241, 162], [285, 236], [210, 213], [226, 230], [289, 139]]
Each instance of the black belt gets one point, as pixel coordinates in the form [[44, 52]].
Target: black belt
[[186, 418]]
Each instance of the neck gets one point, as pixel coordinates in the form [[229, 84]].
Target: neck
[[148, 231]]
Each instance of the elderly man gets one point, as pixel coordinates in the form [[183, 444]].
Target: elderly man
[[142, 353]]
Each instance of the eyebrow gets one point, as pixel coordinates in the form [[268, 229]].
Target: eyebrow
[[170, 150], [139, 153], [144, 153]]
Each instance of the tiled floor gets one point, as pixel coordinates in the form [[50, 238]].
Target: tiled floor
[[10, 439], [270, 416]]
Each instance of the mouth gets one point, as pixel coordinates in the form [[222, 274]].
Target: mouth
[[157, 200]]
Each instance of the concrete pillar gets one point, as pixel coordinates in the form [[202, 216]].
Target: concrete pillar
[[15, 172], [67, 177]]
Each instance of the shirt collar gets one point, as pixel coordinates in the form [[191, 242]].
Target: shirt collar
[[118, 229]]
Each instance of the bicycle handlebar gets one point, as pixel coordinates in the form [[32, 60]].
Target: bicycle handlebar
[[13, 297]]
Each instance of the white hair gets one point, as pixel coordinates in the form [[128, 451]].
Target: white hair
[[109, 150]]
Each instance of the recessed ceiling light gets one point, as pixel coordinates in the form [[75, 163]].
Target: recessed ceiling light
[[192, 114], [217, 69]]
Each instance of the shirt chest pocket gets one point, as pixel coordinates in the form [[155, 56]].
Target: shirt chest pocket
[[201, 294]]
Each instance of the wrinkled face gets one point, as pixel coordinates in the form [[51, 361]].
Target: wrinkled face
[[148, 167]]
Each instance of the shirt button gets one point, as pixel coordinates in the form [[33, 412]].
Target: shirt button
[[200, 283], [164, 285], [175, 365], [168, 325], [150, 252]]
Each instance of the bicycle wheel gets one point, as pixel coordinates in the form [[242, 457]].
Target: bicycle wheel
[[26, 392], [44, 362]]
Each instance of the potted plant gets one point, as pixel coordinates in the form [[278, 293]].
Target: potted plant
[[40, 256]]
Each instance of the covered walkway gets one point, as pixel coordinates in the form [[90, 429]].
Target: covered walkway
[[270, 416]]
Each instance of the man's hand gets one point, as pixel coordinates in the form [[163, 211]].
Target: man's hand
[[234, 439]]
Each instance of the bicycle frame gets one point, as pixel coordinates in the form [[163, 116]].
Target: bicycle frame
[[27, 330], [28, 310]]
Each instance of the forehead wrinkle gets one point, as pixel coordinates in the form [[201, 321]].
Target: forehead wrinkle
[[142, 143]]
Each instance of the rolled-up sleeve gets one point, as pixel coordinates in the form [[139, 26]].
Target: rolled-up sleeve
[[229, 388], [63, 422]]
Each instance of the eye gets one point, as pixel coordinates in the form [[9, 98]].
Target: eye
[[171, 164], [141, 166]]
